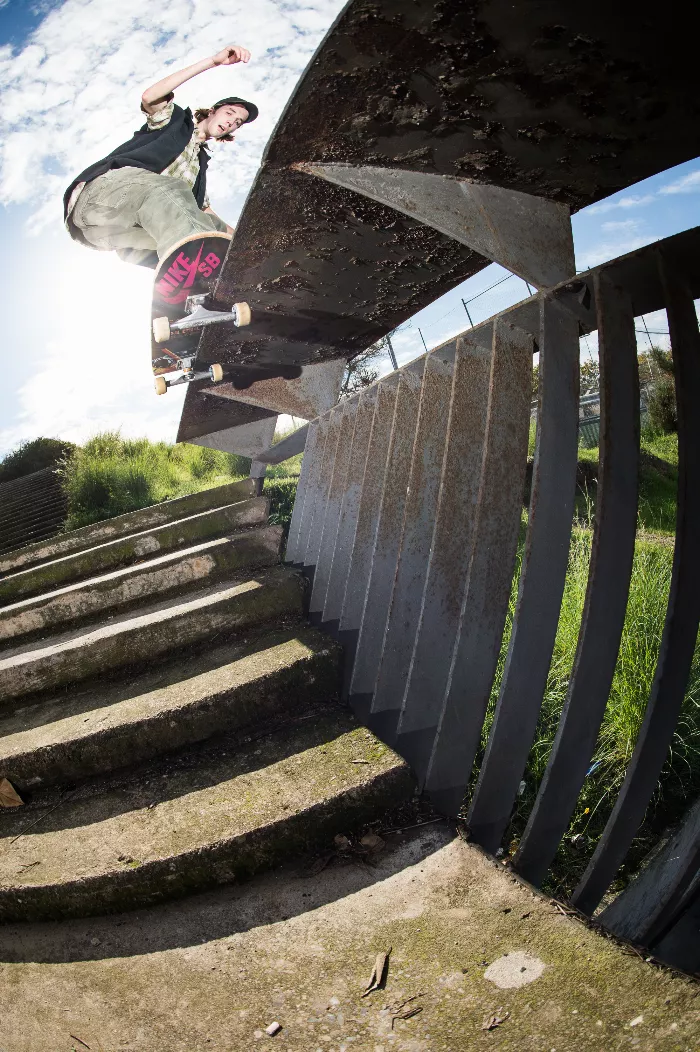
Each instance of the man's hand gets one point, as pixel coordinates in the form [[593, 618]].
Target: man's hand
[[231, 54]]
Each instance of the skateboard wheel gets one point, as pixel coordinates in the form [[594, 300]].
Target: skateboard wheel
[[242, 313], [160, 385], [216, 372], [161, 330]]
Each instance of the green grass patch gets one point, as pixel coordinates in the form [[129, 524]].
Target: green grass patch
[[111, 475]]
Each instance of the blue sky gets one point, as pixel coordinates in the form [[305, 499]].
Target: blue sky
[[75, 333]]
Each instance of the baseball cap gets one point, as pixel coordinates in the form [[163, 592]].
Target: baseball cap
[[250, 106]]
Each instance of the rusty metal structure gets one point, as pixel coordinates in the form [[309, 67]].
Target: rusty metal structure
[[426, 139], [406, 522]]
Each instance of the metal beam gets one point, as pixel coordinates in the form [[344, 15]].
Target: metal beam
[[312, 393], [528, 235]]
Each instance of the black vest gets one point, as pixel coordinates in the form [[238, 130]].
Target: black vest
[[153, 150]]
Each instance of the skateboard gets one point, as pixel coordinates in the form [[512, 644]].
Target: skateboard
[[179, 310]]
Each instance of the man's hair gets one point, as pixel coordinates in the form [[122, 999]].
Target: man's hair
[[252, 109]]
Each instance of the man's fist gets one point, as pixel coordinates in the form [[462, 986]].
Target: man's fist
[[231, 54]]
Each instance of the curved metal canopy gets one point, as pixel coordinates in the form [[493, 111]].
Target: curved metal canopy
[[343, 235]]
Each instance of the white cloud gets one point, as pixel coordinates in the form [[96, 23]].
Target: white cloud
[[606, 250], [687, 184], [73, 92], [628, 225], [630, 201], [68, 97]]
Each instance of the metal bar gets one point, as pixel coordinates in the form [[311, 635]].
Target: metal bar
[[349, 512], [541, 579], [336, 490], [487, 593], [645, 909], [390, 348], [423, 340], [414, 548], [450, 556], [464, 303], [368, 513], [608, 585], [313, 487], [315, 530], [386, 548], [682, 615], [286, 448], [311, 452]]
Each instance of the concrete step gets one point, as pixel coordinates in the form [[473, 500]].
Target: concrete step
[[297, 946], [126, 550], [212, 815], [178, 571], [132, 639], [123, 525], [98, 728]]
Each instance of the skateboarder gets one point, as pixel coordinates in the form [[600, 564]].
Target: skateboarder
[[150, 193]]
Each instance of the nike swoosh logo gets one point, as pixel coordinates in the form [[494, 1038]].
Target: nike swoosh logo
[[193, 269]]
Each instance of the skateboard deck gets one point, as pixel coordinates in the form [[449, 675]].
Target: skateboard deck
[[182, 282]]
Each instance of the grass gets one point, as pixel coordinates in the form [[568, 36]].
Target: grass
[[634, 673], [111, 475]]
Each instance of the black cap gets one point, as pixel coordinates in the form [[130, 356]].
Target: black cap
[[250, 106]]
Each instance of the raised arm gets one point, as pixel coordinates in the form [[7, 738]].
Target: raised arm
[[228, 56]]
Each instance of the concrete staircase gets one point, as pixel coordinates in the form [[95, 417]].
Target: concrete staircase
[[171, 722], [166, 713]]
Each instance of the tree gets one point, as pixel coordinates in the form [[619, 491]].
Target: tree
[[661, 396], [360, 372]]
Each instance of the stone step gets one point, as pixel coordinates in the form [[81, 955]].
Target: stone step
[[123, 525], [133, 639], [213, 815], [126, 550], [178, 571], [98, 728]]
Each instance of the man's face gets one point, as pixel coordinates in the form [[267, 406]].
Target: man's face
[[225, 121]]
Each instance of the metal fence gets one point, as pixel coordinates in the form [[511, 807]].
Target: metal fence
[[407, 519]]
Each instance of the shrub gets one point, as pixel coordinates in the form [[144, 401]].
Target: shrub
[[281, 493], [34, 456], [110, 475], [661, 406]]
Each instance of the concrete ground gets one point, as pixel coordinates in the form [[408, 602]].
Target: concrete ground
[[487, 962]]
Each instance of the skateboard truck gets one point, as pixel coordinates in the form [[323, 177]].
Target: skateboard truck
[[199, 317], [187, 367]]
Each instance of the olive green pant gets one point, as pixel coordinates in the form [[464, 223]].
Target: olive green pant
[[134, 212]]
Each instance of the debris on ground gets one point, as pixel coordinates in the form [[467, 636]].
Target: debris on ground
[[9, 797], [341, 842], [79, 1041], [372, 842], [272, 1029], [405, 1009], [378, 976], [492, 1021]]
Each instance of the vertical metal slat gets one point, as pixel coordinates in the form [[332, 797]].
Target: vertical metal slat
[[449, 557], [335, 499], [682, 614], [645, 909], [541, 579], [608, 585], [414, 550], [349, 512], [313, 487], [386, 548], [315, 528], [486, 598], [365, 534], [310, 452]]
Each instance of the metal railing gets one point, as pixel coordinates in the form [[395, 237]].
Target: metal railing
[[406, 522]]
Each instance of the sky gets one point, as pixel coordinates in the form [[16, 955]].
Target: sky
[[75, 322]]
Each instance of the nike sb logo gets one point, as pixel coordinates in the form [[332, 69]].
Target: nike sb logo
[[175, 283]]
